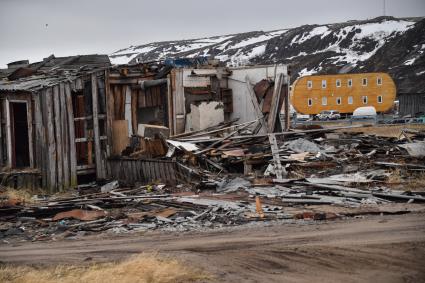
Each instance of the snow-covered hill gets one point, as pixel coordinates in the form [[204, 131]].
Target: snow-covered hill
[[385, 44]]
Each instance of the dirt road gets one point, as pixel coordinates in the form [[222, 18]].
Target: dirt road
[[374, 249]]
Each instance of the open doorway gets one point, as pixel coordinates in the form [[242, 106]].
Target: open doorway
[[19, 134]]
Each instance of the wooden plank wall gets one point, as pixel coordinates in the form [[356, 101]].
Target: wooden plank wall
[[130, 171], [54, 133]]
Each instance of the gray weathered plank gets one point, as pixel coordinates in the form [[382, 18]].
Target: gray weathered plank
[[100, 172]]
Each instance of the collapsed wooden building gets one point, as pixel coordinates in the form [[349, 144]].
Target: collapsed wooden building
[[68, 120]]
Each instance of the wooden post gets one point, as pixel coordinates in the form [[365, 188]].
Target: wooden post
[[287, 102], [257, 109], [279, 170], [40, 138], [65, 135], [8, 133], [109, 113], [71, 138], [52, 171], [170, 106], [275, 103], [134, 125], [127, 110], [59, 134], [100, 172]]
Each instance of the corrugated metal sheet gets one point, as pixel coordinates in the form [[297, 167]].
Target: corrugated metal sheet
[[53, 71], [130, 171], [32, 83], [411, 103]]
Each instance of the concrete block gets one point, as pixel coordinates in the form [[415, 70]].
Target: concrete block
[[149, 131], [206, 114]]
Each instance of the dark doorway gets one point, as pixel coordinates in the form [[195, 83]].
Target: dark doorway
[[19, 129]]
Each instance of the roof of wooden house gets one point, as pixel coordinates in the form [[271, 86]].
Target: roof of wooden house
[[51, 71]]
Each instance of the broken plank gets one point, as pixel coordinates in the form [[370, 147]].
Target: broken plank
[[279, 170]]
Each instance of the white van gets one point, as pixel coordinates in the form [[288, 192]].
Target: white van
[[366, 112]]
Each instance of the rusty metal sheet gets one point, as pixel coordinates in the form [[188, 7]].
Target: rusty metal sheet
[[80, 214], [261, 88]]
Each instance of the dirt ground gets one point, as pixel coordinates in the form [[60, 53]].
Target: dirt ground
[[388, 248]]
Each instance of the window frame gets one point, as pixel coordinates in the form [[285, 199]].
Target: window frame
[[350, 100], [364, 81], [309, 84], [379, 81], [350, 82], [324, 100], [309, 102], [338, 81], [380, 99], [339, 99], [324, 83], [363, 99]]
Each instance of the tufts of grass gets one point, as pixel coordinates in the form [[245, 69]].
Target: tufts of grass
[[141, 268]]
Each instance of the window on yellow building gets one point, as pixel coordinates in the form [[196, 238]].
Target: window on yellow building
[[350, 100], [338, 83], [364, 82], [364, 99], [323, 83], [310, 102], [324, 100], [338, 100], [379, 98], [350, 82], [379, 81], [309, 84]]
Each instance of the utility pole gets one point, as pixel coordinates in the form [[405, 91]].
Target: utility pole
[[384, 7]]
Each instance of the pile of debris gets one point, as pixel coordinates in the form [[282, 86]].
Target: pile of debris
[[241, 176]]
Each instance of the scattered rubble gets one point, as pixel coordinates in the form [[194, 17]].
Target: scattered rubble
[[233, 185]]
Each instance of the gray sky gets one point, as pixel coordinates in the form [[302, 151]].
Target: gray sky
[[34, 29]]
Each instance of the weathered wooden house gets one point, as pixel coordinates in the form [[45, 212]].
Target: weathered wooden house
[[53, 121], [68, 120]]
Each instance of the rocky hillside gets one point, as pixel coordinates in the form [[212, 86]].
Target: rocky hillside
[[384, 44]]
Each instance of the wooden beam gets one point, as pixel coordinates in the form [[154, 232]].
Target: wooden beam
[[65, 136], [258, 112], [30, 131], [271, 123], [109, 113], [51, 144], [170, 106], [72, 148], [279, 170], [58, 131], [100, 172], [127, 110], [8, 133]]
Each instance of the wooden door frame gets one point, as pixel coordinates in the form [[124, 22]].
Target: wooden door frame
[[11, 161]]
